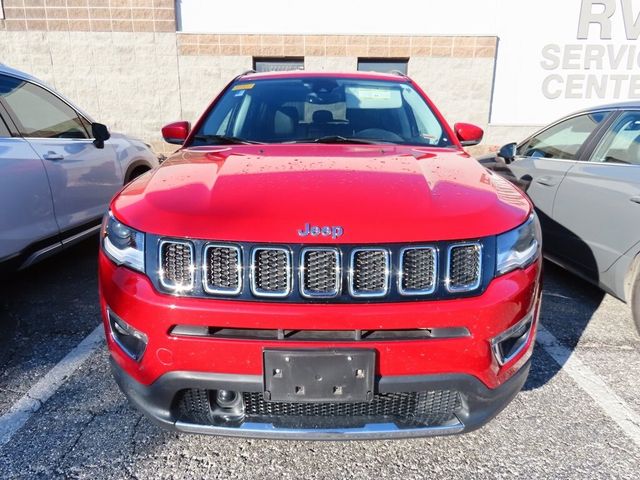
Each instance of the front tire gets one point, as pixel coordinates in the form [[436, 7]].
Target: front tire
[[136, 173]]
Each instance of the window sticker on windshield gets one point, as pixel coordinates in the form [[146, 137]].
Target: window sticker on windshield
[[239, 93], [243, 86], [369, 97]]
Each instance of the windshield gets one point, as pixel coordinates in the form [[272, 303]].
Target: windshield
[[323, 110]]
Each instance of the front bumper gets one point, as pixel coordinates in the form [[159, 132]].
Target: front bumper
[[480, 404], [465, 364]]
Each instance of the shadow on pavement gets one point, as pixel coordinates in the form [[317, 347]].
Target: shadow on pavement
[[568, 304], [52, 304]]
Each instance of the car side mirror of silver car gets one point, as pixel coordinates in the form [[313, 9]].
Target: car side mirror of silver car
[[100, 134], [508, 152]]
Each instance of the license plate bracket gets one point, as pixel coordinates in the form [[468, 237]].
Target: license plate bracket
[[319, 375]]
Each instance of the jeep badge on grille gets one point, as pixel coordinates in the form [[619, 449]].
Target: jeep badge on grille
[[326, 231]]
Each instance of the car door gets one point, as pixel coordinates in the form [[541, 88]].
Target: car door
[[599, 200], [542, 162], [82, 177], [26, 207]]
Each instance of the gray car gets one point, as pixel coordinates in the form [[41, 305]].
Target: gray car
[[58, 170], [583, 175]]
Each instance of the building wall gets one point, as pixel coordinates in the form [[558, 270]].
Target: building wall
[[123, 62]]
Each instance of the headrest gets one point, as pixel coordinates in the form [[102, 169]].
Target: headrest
[[322, 116]]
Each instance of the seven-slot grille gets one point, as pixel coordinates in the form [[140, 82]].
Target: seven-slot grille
[[222, 269], [318, 272], [369, 272], [176, 265], [465, 267], [271, 272]]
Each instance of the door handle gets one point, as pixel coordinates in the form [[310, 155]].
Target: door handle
[[53, 156], [547, 181], [635, 199]]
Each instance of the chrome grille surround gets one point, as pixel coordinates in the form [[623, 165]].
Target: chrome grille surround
[[172, 270], [317, 280], [262, 259], [377, 276], [407, 280], [362, 273], [464, 267], [228, 271]]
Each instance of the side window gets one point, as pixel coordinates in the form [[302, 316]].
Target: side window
[[563, 140], [87, 125], [4, 131], [38, 113], [621, 144]]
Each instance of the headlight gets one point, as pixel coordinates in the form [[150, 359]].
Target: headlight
[[519, 247], [122, 244]]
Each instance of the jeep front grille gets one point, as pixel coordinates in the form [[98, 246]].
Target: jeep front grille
[[320, 272], [222, 269], [271, 272], [369, 272], [465, 267], [176, 265], [329, 274]]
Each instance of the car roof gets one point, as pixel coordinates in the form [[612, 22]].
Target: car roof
[[392, 77], [610, 106], [7, 70]]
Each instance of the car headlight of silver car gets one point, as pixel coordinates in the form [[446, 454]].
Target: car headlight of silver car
[[122, 244], [520, 247]]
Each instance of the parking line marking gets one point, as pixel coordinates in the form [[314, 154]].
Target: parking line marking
[[37, 395], [614, 406]]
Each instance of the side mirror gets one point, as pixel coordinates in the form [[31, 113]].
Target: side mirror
[[508, 152], [100, 134], [176, 132], [468, 134]]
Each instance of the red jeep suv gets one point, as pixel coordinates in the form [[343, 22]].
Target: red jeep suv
[[320, 259]]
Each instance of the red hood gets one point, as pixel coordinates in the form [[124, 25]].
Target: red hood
[[267, 193]]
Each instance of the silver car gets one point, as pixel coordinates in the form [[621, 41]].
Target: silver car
[[583, 175], [58, 170]]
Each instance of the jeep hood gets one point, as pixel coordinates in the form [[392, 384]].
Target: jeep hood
[[267, 193]]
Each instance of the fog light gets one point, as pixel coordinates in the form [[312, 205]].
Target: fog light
[[131, 341], [512, 341]]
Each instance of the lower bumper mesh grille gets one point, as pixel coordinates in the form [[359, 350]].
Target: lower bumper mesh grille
[[407, 408], [422, 407]]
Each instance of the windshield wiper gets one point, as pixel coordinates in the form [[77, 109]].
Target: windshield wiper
[[337, 139], [225, 140]]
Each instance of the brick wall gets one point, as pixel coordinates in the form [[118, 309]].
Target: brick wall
[[89, 15], [336, 46]]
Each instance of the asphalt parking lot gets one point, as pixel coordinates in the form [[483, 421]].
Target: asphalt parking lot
[[576, 418]]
